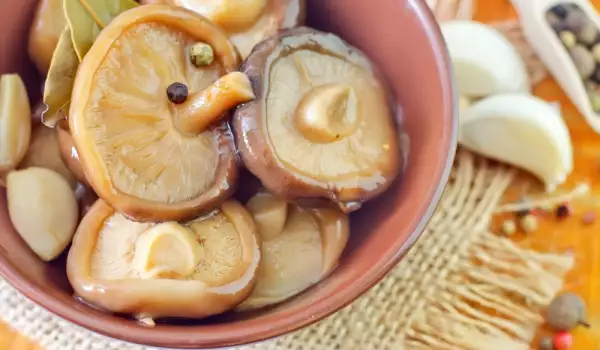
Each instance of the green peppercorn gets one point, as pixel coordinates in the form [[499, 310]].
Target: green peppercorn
[[201, 54], [529, 223], [177, 93], [568, 39], [509, 227]]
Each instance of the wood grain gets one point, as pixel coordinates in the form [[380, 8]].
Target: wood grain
[[553, 235]]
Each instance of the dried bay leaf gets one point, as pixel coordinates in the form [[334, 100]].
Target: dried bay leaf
[[60, 80], [87, 18]]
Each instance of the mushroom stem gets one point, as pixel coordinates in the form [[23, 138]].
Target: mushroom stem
[[211, 105], [327, 113]]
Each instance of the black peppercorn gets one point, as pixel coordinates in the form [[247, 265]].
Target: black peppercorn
[[563, 211], [177, 93], [561, 11]]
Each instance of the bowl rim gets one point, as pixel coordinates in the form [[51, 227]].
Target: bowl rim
[[321, 308]]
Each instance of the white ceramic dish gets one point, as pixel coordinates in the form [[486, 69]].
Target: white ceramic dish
[[539, 33]]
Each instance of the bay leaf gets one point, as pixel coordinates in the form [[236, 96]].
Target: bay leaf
[[60, 79], [87, 18]]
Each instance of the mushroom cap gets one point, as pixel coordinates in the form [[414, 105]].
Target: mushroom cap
[[101, 264], [122, 122], [260, 20], [300, 247], [285, 143]]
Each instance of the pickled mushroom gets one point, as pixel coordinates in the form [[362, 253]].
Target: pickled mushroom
[[150, 126], [197, 269], [68, 152], [247, 22], [321, 125], [300, 247]]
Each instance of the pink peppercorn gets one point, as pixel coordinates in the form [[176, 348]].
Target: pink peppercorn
[[563, 341], [589, 218]]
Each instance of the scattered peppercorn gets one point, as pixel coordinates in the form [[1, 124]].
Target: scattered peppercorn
[[529, 223], [566, 312], [589, 218], [509, 227], [201, 54], [563, 341], [546, 343], [563, 211], [177, 93]]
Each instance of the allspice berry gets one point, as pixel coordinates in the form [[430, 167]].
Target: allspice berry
[[566, 312]]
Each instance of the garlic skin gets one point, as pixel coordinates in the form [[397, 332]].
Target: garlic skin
[[484, 61], [108, 263]]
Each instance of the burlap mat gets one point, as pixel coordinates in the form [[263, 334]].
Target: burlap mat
[[460, 287], [438, 297]]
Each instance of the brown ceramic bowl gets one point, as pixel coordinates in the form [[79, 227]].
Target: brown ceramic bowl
[[403, 39]]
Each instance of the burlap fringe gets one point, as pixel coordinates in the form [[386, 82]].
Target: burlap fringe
[[493, 295]]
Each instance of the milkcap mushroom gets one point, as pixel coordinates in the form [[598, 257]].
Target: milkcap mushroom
[[321, 124], [195, 269], [152, 151], [300, 246]]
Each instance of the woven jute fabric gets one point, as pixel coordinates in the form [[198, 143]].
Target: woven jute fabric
[[460, 287]]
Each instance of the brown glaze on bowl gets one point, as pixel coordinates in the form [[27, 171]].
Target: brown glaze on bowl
[[402, 39]]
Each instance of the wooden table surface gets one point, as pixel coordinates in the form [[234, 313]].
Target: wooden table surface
[[569, 234]]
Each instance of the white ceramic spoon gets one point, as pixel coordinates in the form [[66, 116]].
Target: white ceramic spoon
[[541, 36]]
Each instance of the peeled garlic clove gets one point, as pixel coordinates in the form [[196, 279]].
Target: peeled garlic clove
[[269, 214], [520, 130], [44, 152], [484, 61], [43, 208], [167, 249], [15, 122]]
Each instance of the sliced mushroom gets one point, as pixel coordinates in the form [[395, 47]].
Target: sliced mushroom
[[15, 122], [300, 246], [201, 268], [321, 124], [152, 133], [247, 22], [48, 24], [44, 152]]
